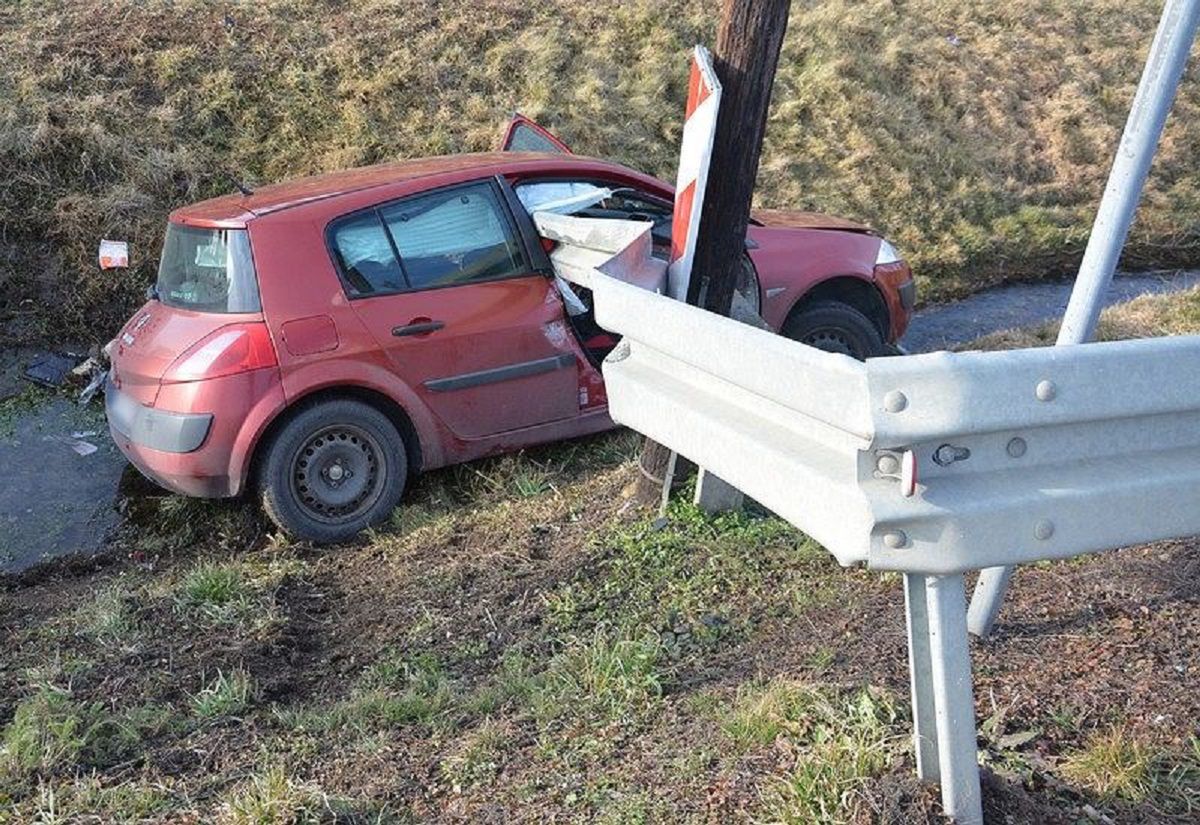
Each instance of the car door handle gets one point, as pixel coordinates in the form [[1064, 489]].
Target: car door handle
[[418, 327]]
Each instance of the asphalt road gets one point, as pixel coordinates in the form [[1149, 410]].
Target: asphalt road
[[944, 326]]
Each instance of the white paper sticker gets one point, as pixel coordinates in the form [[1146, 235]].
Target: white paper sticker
[[114, 254]]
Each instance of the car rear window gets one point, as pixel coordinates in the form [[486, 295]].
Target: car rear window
[[208, 270]]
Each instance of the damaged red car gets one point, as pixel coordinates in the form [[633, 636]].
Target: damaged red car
[[318, 342]]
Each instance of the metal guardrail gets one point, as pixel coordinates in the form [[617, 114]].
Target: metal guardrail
[[1019, 456]]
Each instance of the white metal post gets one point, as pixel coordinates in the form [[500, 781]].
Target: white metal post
[[1151, 105], [953, 701], [920, 671]]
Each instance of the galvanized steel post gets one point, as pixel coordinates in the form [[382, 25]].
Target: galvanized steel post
[[1151, 105]]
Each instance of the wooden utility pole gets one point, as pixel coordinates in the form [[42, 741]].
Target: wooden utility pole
[[749, 38]]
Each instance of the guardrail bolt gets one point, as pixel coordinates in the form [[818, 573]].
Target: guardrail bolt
[[895, 539], [1046, 391], [1016, 447], [888, 464], [1044, 529], [895, 401]]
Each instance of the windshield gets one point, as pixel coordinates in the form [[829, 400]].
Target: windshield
[[208, 270]]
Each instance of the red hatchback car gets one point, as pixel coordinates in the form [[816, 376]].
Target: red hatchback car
[[321, 340]]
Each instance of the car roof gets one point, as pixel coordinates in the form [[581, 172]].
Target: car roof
[[237, 209]]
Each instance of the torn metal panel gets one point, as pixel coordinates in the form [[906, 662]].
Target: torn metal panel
[[620, 249]]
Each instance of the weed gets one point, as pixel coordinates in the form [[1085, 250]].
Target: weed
[[274, 798], [51, 731], [109, 616], [604, 677], [87, 798], [839, 741], [229, 694], [1117, 765], [478, 760]]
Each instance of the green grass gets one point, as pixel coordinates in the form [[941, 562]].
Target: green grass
[[51, 732], [1148, 316], [229, 694], [983, 160], [693, 582], [840, 741], [88, 798], [274, 797], [238, 594], [109, 616], [396, 690], [603, 677], [478, 760]]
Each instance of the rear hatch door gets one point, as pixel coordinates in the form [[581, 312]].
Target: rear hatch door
[[206, 281]]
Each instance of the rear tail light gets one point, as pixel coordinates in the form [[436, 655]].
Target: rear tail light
[[225, 351]]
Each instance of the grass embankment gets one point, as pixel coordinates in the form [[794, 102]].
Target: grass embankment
[[976, 135], [519, 644]]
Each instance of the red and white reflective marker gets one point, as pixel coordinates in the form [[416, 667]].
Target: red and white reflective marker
[[695, 153], [908, 473], [114, 254]]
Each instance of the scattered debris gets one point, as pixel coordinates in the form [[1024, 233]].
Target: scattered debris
[[84, 448], [99, 379], [50, 369], [114, 254], [953, 40]]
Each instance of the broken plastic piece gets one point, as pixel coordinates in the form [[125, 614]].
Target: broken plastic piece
[[94, 386], [84, 448], [50, 370]]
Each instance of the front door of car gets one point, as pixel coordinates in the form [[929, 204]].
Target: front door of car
[[444, 284]]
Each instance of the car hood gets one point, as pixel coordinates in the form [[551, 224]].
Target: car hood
[[795, 219]]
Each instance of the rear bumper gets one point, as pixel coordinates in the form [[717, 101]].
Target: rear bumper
[[161, 430], [163, 445], [202, 454]]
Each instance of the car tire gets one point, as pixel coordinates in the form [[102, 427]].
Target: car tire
[[334, 469], [836, 327]]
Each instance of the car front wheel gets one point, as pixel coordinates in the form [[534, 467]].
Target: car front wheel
[[334, 469], [836, 327]]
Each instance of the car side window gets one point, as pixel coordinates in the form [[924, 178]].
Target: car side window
[[364, 254], [454, 236]]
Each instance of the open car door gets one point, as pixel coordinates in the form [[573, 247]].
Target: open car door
[[523, 135]]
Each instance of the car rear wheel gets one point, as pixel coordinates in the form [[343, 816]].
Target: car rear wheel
[[334, 469], [836, 327]]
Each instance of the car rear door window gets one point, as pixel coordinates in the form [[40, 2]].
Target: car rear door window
[[365, 255], [454, 236]]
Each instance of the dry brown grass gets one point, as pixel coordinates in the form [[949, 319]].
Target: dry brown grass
[[983, 159]]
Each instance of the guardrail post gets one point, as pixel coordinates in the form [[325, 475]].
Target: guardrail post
[[920, 670], [1151, 105], [715, 495], [953, 702]]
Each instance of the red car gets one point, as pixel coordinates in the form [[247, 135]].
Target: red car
[[321, 340]]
